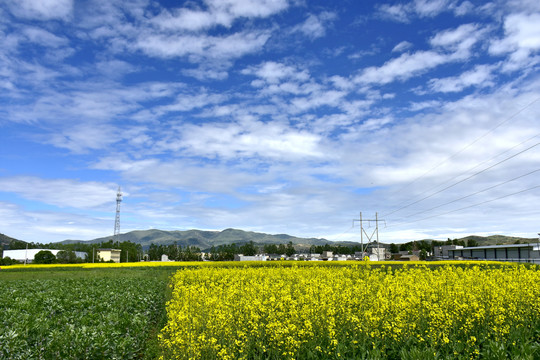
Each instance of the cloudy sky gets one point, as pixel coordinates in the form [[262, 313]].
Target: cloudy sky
[[271, 115]]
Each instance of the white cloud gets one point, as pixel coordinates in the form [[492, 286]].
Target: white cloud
[[402, 46], [480, 76], [181, 174], [42, 9], [430, 8], [315, 25], [273, 72], [43, 37], [402, 68], [186, 102], [452, 37], [204, 73], [522, 39], [459, 41], [115, 68], [82, 138], [417, 106], [221, 12], [464, 8], [398, 12], [203, 46], [449, 45], [60, 192], [317, 99], [246, 140], [405, 12], [249, 8]]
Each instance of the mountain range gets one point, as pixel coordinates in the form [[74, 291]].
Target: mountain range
[[205, 239]]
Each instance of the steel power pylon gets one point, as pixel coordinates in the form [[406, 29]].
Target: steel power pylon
[[363, 231], [117, 219]]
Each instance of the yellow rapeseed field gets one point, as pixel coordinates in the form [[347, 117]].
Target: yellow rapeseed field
[[354, 311]]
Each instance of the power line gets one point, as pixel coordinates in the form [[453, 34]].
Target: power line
[[468, 146], [475, 193], [343, 233], [467, 171], [467, 207], [463, 180]]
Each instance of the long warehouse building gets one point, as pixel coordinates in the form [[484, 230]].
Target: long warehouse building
[[515, 253]]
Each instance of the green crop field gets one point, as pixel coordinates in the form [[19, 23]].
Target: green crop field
[[465, 310], [76, 313]]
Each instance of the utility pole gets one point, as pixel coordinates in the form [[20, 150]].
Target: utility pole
[[369, 237], [117, 219]]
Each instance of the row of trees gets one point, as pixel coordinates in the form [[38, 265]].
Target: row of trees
[[131, 252], [339, 249], [174, 252]]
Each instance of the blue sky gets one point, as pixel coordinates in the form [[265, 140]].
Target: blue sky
[[273, 115]]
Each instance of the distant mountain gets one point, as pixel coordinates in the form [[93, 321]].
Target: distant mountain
[[5, 240], [206, 239], [498, 240]]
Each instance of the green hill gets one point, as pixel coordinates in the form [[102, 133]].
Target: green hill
[[498, 240], [5, 240], [206, 239]]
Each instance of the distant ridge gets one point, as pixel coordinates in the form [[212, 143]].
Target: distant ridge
[[5, 240], [498, 240], [206, 239]]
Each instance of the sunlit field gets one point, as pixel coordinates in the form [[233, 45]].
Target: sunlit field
[[357, 311], [278, 310]]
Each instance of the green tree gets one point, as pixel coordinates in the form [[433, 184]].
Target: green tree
[[289, 250], [66, 257], [8, 261], [44, 257], [270, 249], [406, 247], [248, 249], [394, 249], [472, 243]]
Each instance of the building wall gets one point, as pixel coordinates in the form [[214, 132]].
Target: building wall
[[29, 254], [514, 253], [241, 257], [108, 255]]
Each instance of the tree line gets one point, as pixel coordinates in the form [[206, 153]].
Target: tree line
[[130, 251]]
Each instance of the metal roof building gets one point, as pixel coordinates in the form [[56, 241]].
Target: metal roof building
[[515, 253], [29, 254]]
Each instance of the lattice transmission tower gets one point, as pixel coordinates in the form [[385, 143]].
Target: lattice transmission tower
[[117, 219]]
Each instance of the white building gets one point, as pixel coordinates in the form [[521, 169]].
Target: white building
[[241, 257], [379, 253], [29, 254]]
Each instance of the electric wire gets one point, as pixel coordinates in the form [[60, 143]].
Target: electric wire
[[470, 144], [463, 173], [469, 206], [475, 193], [341, 234], [463, 180]]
